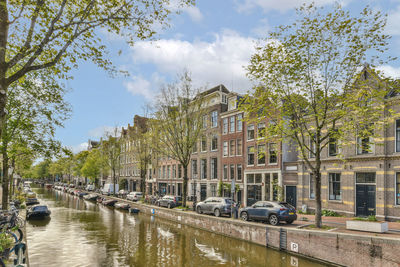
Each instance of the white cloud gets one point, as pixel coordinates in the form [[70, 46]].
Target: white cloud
[[80, 147], [390, 71], [282, 5], [211, 63], [194, 13], [393, 19], [139, 86], [101, 131]]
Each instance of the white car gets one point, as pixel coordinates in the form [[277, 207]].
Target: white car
[[134, 196], [90, 187]]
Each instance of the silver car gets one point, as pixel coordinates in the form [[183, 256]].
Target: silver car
[[215, 205]]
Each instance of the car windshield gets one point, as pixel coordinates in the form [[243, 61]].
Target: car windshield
[[40, 208]]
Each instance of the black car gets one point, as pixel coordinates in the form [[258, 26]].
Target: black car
[[38, 212], [169, 201], [215, 205], [269, 211]]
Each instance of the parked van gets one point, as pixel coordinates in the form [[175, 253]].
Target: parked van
[[90, 187], [108, 189]]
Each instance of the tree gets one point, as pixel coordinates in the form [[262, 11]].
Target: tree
[[55, 35], [177, 123], [94, 165], [310, 85], [35, 107], [111, 150]]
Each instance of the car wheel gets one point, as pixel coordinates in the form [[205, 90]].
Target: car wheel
[[159, 204], [289, 222], [169, 205], [273, 219], [217, 213], [244, 216], [199, 210]]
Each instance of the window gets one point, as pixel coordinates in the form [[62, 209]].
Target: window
[[332, 148], [312, 186], [261, 130], [239, 172], [225, 172], [312, 147], [204, 121], [225, 125], [334, 186], [261, 154], [203, 143], [258, 178], [214, 119], [180, 170], [397, 135], [214, 168], [232, 168], [232, 148], [250, 132], [159, 173], [173, 171], [194, 168], [250, 155], [214, 143], [224, 99], [239, 147], [364, 145], [232, 124], [213, 190], [163, 171], [194, 149], [250, 178], [168, 171], [273, 159], [203, 169], [225, 149], [365, 177], [239, 122], [397, 188]]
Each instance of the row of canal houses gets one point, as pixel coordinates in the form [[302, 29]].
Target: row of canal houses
[[230, 149]]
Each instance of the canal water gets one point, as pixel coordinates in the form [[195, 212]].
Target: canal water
[[83, 233]]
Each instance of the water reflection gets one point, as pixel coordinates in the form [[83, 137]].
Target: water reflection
[[82, 233]]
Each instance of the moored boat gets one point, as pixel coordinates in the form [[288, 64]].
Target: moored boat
[[31, 201], [134, 210], [38, 212], [122, 205], [92, 197], [109, 202]]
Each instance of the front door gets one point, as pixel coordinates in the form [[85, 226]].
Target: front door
[[203, 192], [291, 195], [365, 200]]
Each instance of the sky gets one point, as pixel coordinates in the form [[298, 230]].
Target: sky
[[214, 40]]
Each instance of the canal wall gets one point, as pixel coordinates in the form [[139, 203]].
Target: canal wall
[[338, 248]]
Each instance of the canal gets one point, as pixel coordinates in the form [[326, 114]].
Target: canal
[[83, 233]]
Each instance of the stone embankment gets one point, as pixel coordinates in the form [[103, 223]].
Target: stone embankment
[[338, 248]]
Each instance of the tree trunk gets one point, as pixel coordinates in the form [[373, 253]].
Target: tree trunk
[[5, 182], [185, 182]]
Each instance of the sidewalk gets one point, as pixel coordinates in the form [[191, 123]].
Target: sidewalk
[[339, 224]]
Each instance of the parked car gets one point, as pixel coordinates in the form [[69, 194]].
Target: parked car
[[169, 201], [122, 193], [90, 187], [215, 205], [269, 211], [134, 196]]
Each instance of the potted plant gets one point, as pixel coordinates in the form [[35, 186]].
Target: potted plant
[[6, 243]]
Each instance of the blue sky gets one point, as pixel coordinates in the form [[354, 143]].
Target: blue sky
[[214, 40]]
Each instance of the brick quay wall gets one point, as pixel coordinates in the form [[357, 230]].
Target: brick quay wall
[[337, 248]]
